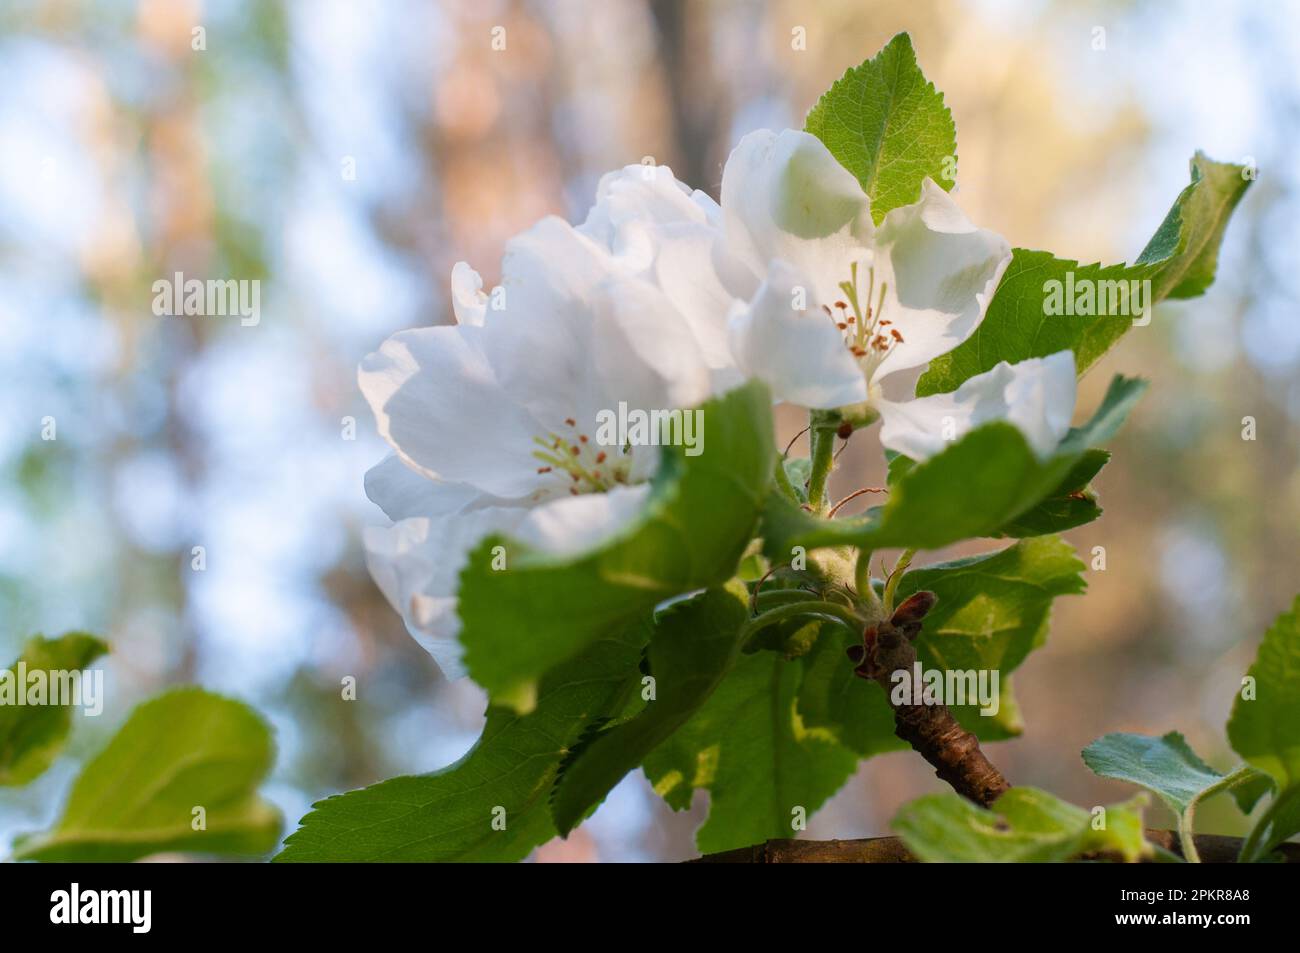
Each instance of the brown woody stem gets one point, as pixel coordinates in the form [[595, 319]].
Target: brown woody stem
[[931, 730]]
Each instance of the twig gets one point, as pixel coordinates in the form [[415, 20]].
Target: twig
[[931, 730]]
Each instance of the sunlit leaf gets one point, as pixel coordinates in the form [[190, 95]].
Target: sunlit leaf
[[31, 736], [180, 775]]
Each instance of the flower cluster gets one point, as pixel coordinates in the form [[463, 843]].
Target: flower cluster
[[659, 300]]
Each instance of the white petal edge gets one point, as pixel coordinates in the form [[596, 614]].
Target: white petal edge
[[1036, 395], [784, 196], [631, 203], [941, 272], [574, 524], [417, 563], [468, 300], [438, 402], [403, 492]]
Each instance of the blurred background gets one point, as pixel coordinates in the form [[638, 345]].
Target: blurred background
[[347, 154]]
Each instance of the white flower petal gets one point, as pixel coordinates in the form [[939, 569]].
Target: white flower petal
[[697, 273], [655, 228], [784, 196], [438, 401], [643, 350], [417, 563], [799, 353], [712, 210], [573, 524], [1036, 395], [631, 203], [940, 272], [548, 276], [468, 300], [402, 492], [586, 333]]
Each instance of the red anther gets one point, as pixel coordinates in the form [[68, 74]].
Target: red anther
[[841, 305], [600, 457], [897, 337], [543, 469], [570, 421], [575, 451], [582, 437]]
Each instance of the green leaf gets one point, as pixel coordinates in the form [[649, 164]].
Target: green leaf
[[852, 710], [798, 471], [993, 610], [1169, 768], [183, 750], [1165, 766], [1025, 825], [791, 638], [888, 125], [1069, 505], [1278, 822], [1265, 730], [31, 736], [1184, 251], [519, 622], [458, 814], [748, 748], [979, 486], [1179, 262], [693, 646], [1248, 794]]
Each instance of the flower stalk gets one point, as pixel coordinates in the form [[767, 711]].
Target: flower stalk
[[821, 439]]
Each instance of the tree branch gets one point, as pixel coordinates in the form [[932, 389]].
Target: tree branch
[[931, 730]]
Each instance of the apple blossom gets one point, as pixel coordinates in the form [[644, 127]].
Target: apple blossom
[[494, 420], [842, 304]]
